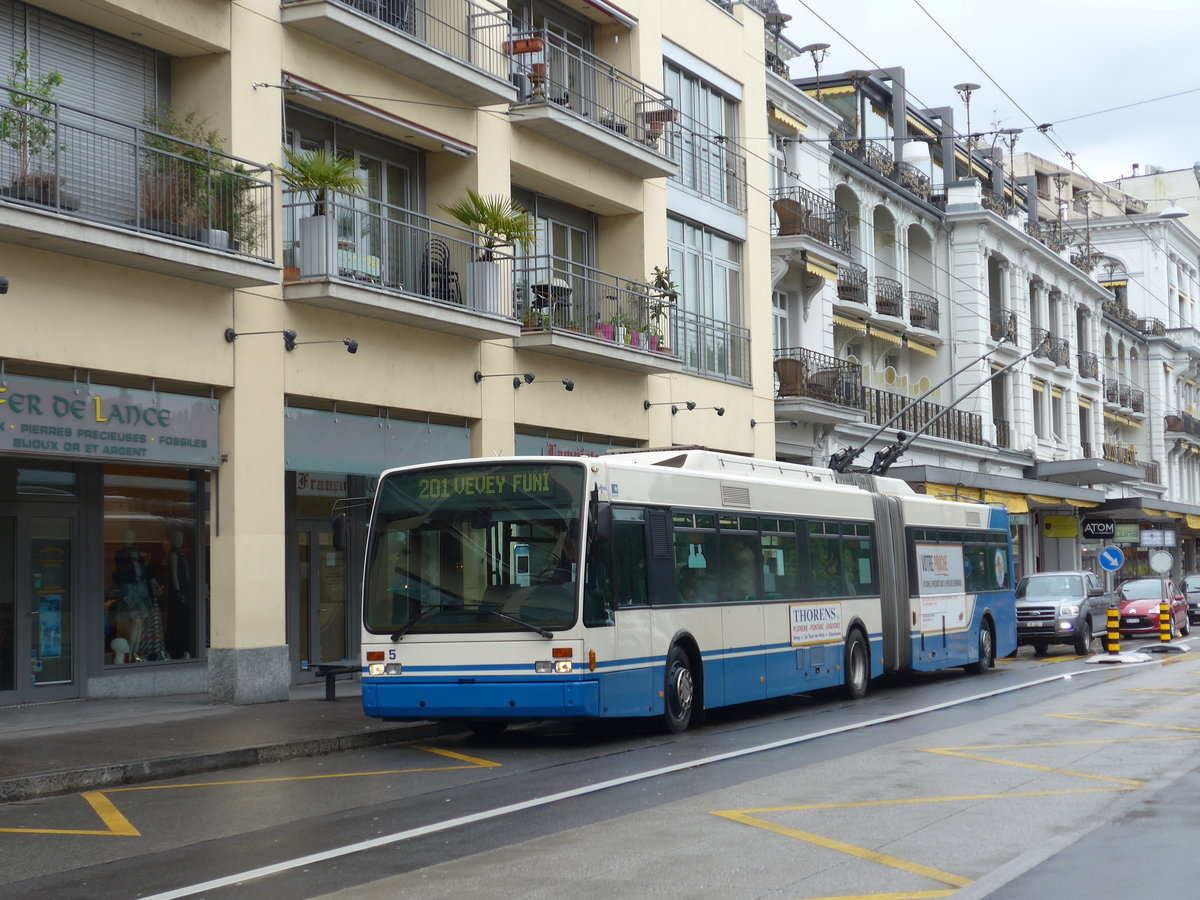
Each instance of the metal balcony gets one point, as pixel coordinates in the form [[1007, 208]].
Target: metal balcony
[[852, 283], [799, 211], [710, 166], [373, 259], [458, 47], [889, 297], [1089, 365], [955, 425], [923, 311], [807, 374], [1004, 325], [98, 187], [576, 99]]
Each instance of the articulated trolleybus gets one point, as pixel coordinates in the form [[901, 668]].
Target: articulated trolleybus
[[665, 583]]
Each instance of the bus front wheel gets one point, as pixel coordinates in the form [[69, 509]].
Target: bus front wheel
[[858, 666], [680, 691], [987, 649]]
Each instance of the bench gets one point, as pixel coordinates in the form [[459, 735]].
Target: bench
[[331, 670]]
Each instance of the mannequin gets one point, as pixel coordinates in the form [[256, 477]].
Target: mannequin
[[133, 583], [179, 598]]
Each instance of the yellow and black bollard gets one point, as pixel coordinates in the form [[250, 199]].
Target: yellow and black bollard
[[1164, 622], [1114, 631]]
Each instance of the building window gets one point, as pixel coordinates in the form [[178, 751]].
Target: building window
[[705, 148], [1039, 410], [150, 565], [707, 268]]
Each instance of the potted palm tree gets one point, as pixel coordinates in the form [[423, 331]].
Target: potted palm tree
[[497, 221], [28, 126], [322, 173]]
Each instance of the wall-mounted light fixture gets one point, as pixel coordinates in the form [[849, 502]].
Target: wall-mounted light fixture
[[688, 404], [720, 409], [289, 336], [518, 378], [792, 422], [351, 344]]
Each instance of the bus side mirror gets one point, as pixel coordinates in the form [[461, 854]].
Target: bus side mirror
[[602, 521], [338, 524]]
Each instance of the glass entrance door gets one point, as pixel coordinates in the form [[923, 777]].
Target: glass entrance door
[[37, 594], [322, 614]]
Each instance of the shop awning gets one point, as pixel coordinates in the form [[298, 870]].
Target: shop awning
[[954, 492], [921, 348], [886, 336], [1014, 503], [1192, 521]]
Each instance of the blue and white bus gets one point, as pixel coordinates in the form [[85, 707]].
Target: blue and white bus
[[665, 583]]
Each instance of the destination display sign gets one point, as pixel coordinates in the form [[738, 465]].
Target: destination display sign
[[485, 484], [61, 418]]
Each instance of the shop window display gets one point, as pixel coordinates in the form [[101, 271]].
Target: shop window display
[[150, 541]]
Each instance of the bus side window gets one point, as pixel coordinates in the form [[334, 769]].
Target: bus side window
[[825, 560], [629, 541], [780, 575], [858, 556], [598, 585]]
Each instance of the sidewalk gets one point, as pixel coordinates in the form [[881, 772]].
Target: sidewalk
[[78, 745]]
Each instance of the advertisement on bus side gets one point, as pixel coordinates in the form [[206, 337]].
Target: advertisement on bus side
[[816, 623], [941, 584]]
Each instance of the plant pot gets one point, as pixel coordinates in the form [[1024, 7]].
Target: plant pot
[[316, 249], [215, 237], [635, 338], [524, 45], [654, 343], [483, 286], [605, 332]]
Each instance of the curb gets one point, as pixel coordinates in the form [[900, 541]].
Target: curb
[[70, 781]]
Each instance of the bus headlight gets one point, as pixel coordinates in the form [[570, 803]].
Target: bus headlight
[[552, 666], [388, 669], [562, 666]]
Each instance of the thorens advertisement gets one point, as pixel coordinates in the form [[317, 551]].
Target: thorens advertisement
[[941, 584]]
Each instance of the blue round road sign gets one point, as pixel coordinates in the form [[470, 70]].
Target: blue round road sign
[[1111, 559]]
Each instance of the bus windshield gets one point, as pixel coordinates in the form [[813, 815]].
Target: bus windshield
[[475, 548]]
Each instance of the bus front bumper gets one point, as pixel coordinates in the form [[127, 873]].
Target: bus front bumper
[[401, 698]]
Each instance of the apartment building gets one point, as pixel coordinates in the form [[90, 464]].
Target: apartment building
[[199, 362], [953, 278]]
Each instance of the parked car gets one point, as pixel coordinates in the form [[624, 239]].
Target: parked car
[[1191, 593], [1139, 599], [1061, 608]]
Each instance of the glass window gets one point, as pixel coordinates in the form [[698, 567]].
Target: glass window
[[707, 268], [151, 545], [780, 566], [740, 568], [696, 567]]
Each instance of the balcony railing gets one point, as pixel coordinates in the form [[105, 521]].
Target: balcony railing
[[817, 376], [1003, 432], [955, 425], [1047, 346], [913, 180], [923, 311], [102, 170], [889, 297], [712, 347], [1119, 393], [1182, 423], [797, 210], [1118, 310], [995, 202], [1151, 326], [552, 294], [554, 70], [1089, 364], [710, 166], [377, 245], [876, 157], [1004, 325], [469, 32], [1152, 473], [852, 283]]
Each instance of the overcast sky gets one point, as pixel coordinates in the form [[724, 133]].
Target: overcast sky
[[1057, 59]]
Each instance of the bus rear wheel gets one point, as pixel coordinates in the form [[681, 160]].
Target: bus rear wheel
[[858, 666], [679, 693]]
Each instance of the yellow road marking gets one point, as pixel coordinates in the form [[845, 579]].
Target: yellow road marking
[[904, 895], [116, 824], [883, 859], [1079, 717]]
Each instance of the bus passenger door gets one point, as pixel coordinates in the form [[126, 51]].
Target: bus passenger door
[[617, 571]]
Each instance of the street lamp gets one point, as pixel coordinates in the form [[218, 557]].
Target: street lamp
[[817, 52], [964, 91], [1009, 137]]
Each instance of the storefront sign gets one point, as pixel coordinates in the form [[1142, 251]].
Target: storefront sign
[[529, 445], [1127, 534], [1158, 537], [1060, 526], [1098, 529], [65, 419]]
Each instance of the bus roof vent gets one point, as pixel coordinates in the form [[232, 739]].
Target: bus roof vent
[[735, 495], [974, 517]]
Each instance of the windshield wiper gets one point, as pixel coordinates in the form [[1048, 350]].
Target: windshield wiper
[[405, 629], [544, 632]]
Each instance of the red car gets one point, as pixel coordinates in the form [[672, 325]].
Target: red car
[[1139, 599]]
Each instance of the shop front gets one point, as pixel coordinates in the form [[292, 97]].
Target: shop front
[[102, 538], [334, 459]]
